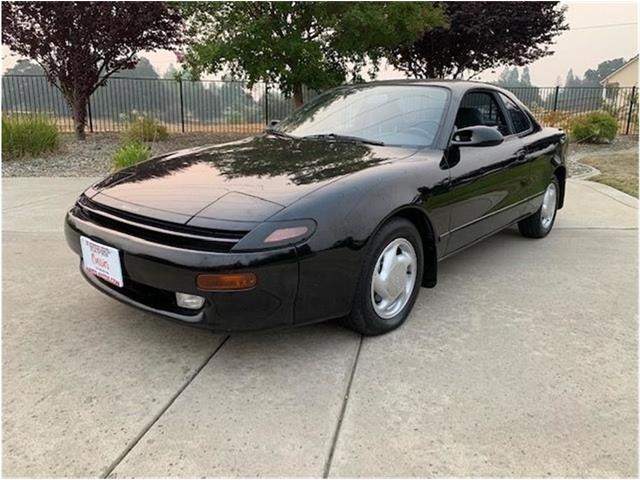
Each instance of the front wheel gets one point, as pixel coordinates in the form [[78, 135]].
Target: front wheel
[[390, 280], [540, 223]]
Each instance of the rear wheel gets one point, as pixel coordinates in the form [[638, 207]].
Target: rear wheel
[[540, 223], [390, 279]]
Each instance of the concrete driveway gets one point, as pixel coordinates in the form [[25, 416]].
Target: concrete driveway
[[521, 362]]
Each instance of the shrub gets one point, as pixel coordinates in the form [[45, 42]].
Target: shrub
[[28, 135], [558, 119], [130, 154], [595, 127], [145, 129]]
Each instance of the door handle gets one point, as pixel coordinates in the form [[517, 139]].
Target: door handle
[[521, 156]]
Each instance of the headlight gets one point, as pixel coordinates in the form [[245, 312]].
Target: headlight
[[276, 234]]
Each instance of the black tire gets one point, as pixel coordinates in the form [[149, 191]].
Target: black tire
[[363, 318], [532, 227]]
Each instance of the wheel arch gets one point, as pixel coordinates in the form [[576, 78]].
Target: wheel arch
[[427, 234], [561, 174]]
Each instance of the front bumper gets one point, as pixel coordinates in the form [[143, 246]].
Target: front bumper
[[154, 272]]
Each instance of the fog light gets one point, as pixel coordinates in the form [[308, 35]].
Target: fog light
[[186, 300]]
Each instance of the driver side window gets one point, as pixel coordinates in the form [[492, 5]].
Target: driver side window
[[481, 108]]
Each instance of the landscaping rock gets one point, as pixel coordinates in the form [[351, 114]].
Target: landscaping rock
[[92, 157]]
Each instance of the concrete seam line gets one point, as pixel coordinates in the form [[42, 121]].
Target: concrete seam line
[[602, 192], [343, 409], [596, 228], [153, 421]]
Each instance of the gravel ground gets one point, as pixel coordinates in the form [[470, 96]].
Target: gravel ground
[[581, 150], [93, 157]]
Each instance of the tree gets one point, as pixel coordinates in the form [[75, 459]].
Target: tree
[[138, 89], [79, 45], [143, 69], [510, 77], [25, 67], [25, 89], [593, 77], [526, 77], [317, 44], [481, 36], [589, 98]]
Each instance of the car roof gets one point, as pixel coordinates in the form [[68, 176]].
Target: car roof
[[460, 86]]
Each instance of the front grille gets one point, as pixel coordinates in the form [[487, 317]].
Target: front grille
[[158, 231]]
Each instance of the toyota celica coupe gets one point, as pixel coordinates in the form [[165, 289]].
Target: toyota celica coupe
[[342, 210]]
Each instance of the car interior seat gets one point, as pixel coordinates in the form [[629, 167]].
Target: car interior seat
[[468, 117]]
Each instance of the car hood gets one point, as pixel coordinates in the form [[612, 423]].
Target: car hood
[[245, 181]]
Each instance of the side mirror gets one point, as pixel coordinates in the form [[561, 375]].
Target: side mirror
[[477, 136], [273, 123]]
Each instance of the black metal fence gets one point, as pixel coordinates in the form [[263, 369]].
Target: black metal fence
[[231, 106], [558, 106]]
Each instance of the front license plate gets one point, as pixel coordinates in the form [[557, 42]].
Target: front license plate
[[101, 261]]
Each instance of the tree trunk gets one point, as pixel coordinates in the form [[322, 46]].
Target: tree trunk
[[78, 106], [298, 100]]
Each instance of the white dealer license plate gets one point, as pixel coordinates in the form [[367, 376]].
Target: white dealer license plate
[[101, 261]]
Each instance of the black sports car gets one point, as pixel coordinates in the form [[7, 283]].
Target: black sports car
[[342, 210]]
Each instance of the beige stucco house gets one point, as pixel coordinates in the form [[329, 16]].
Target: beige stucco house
[[625, 76]]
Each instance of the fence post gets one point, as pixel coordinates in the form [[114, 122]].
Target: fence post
[[631, 104], [266, 104], [90, 116], [555, 99], [181, 104]]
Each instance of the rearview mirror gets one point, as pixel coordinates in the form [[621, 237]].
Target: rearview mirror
[[477, 136]]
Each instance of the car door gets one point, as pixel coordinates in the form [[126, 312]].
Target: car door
[[540, 146], [488, 183]]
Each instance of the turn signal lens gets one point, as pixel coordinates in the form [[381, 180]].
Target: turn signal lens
[[282, 234], [213, 282]]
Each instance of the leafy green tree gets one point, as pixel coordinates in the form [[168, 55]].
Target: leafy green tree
[[317, 44]]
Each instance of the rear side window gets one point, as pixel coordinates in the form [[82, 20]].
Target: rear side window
[[519, 119]]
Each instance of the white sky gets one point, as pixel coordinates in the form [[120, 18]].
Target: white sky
[[579, 48]]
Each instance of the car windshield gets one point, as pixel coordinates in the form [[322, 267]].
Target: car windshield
[[405, 115]]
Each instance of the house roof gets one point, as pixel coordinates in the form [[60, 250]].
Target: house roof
[[625, 65]]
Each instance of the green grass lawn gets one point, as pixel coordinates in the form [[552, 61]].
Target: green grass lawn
[[618, 170]]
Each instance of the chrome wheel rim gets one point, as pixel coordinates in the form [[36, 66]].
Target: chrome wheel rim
[[548, 209], [394, 277]]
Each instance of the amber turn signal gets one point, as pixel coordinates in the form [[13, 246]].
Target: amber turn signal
[[224, 282]]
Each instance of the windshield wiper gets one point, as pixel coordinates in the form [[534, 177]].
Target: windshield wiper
[[346, 138], [278, 133]]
